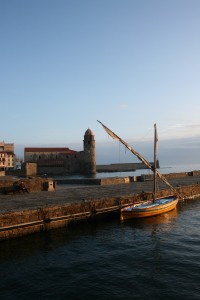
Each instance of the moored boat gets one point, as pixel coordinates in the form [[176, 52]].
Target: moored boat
[[155, 206], [149, 208]]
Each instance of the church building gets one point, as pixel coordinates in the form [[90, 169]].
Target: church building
[[64, 160]]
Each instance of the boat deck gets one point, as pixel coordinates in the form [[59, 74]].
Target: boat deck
[[149, 204]]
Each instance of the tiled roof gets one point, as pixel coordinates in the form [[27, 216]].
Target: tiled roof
[[60, 150]]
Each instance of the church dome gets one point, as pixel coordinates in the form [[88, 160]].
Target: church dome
[[89, 132]]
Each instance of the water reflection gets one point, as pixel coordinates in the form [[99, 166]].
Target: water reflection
[[140, 259], [24, 247], [44, 242], [165, 218]]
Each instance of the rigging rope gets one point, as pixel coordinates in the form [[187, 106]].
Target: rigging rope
[[140, 157]]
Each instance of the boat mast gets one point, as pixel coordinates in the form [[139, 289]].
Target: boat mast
[[140, 157], [155, 160]]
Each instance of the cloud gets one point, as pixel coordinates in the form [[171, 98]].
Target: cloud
[[194, 126], [185, 126], [123, 106], [180, 130]]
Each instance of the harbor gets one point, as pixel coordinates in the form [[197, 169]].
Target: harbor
[[43, 210], [99, 150]]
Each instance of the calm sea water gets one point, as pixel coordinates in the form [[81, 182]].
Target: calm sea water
[[154, 258], [164, 169]]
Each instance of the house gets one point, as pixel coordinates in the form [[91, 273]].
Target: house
[[7, 156]]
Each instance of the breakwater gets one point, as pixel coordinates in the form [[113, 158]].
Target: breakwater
[[25, 214], [123, 167]]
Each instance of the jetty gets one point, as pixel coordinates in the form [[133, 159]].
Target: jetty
[[123, 167], [50, 205]]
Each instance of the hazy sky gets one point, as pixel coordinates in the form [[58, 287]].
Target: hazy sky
[[66, 63]]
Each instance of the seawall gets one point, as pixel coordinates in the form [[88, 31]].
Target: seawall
[[122, 167], [40, 211]]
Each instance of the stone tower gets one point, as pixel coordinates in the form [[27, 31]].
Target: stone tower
[[89, 152]]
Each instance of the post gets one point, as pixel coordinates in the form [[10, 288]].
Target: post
[[155, 159]]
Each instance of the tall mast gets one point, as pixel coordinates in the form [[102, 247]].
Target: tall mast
[[155, 160], [140, 157]]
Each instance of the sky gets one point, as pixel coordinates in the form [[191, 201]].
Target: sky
[[64, 64]]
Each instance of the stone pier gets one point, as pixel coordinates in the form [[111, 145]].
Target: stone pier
[[22, 214]]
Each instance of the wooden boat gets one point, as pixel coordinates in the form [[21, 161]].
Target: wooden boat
[[155, 206], [149, 208]]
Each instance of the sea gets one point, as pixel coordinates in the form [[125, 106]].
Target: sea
[[152, 258], [165, 169]]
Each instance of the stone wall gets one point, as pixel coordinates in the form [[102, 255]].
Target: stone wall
[[95, 181], [32, 184], [51, 170], [123, 167], [30, 169], [46, 218], [114, 180], [182, 174]]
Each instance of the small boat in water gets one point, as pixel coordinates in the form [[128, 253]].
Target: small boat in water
[[155, 206], [149, 208]]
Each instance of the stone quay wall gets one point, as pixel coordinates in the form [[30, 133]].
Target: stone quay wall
[[95, 181], [19, 223]]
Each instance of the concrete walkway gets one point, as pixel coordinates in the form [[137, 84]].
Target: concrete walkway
[[65, 194]]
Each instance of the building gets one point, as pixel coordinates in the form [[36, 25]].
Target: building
[[64, 160], [7, 156]]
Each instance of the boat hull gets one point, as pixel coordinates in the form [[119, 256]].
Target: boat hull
[[148, 209]]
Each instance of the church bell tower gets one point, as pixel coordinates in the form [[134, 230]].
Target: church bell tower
[[89, 152]]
